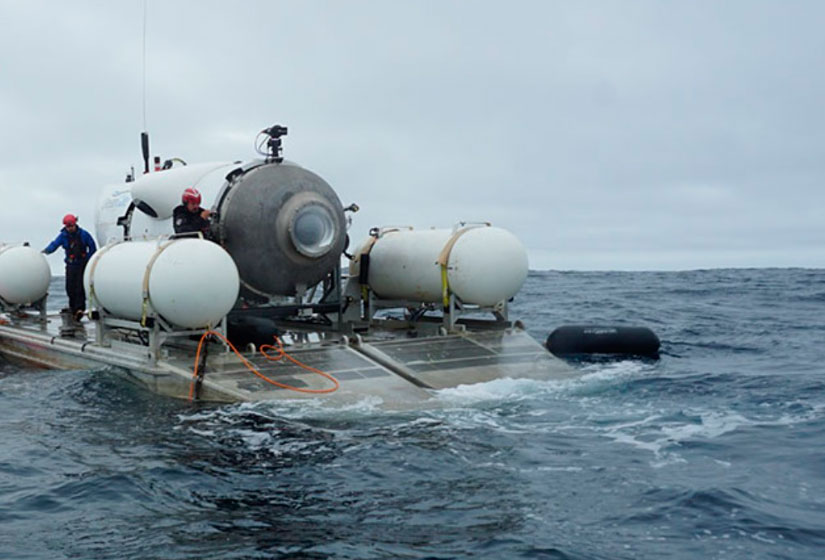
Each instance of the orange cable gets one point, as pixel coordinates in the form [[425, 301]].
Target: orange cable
[[282, 353]]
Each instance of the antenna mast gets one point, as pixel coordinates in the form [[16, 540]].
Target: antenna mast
[[144, 136]]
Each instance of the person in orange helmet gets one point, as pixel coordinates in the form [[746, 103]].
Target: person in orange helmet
[[189, 217], [79, 246]]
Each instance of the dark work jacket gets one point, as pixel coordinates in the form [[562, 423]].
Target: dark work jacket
[[185, 221]]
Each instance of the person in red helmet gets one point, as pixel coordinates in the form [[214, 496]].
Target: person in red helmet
[[189, 217], [79, 246]]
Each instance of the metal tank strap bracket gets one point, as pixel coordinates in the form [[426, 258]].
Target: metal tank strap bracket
[[448, 299]]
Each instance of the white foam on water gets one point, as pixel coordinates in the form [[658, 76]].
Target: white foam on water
[[518, 406], [597, 378], [593, 378], [558, 469], [713, 424], [255, 439], [612, 370], [663, 437], [497, 390], [319, 408]]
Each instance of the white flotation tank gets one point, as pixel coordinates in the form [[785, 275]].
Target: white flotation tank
[[160, 192], [24, 274], [485, 264], [191, 283]]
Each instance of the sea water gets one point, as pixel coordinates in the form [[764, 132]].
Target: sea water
[[717, 450]]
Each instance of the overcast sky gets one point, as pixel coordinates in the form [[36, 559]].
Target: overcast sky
[[607, 135]]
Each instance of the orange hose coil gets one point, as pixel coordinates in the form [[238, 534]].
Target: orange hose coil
[[279, 348]]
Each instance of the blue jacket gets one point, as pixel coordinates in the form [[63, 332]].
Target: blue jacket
[[79, 246]]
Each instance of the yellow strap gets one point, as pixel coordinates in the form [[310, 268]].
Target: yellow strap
[[444, 258], [93, 267], [143, 312], [444, 255], [366, 249], [146, 274], [445, 288]]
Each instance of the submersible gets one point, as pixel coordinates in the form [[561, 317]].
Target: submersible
[[259, 306]]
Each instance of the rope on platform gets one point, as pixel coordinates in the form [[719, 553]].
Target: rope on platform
[[281, 353]]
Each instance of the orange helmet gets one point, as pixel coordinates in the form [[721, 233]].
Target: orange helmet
[[191, 195], [69, 220]]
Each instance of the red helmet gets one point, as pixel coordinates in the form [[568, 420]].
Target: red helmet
[[69, 220], [191, 195]]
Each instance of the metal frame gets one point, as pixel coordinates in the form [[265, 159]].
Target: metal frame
[[451, 314], [158, 330], [14, 309]]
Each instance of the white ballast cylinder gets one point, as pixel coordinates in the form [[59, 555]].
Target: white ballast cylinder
[[484, 266], [192, 283], [24, 274]]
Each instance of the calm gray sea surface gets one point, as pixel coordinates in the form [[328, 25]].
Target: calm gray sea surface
[[715, 451]]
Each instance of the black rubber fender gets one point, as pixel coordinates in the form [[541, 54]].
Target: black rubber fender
[[582, 340]]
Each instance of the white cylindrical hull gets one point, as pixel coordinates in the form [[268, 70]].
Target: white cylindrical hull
[[24, 274], [485, 265], [191, 283], [162, 191]]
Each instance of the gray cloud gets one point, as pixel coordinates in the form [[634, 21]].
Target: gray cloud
[[651, 135]]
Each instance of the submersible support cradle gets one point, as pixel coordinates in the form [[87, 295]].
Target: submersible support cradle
[[417, 311]]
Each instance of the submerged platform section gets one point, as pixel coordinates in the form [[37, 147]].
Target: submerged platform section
[[395, 367]]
